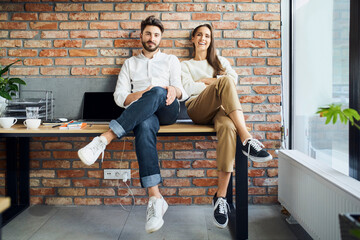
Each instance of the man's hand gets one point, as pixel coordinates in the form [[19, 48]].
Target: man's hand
[[171, 94], [208, 81]]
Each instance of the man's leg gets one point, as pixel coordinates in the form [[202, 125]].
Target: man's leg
[[137, 112], [146, 152]]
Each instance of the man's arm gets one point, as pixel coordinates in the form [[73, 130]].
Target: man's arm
[[135, 96]]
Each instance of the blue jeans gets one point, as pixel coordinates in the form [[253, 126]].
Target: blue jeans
[[144, 117]]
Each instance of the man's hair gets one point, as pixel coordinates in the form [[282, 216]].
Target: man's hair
[[211, 56], [152, 21]]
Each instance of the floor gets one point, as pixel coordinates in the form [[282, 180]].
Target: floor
[[109, 222]]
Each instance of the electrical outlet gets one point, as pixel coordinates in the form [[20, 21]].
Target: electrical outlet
[[117, 174]]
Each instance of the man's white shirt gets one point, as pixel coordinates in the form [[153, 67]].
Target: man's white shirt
[[139, 72]]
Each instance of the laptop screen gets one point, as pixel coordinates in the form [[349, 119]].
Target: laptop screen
[[100, 106]]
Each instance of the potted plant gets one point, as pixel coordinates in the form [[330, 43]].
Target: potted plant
[[334, 111], [8, 86], [349, 222]]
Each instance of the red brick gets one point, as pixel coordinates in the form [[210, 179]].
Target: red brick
[[273, 172], [54, 71], [176, 182], [168, 191], [44, 25], [267, 34], [212, 173], [125, 155], [252, 99], [274, 118], [56, 164], [274, 7], [203, 200], [12, 25], [99, 7], [24, 17], [267, 89], [195, 138], [36, 201], [58, 201], [178, 200], [42, 191], [129, 7], [101, 192], [211, 154], [68, 7], [159, 7], [84, 34], [40, 154], [114, 52], [188, 155], [142, 15], [53, 16], [99, 61], [251, 7], [191, 191], [37, 44], [104, 25], [87, 201], [254, 25], [254, 80], [175, 16], [225, 25], [135, 191], [38, 62], [22, 52], [204, 164], [38, 7], [189, 7], [274, 61], [55, 182], [273, 190], [266, 17], [274, 99], [190, 173], [251, 44], [274, 43], [256, 191], [118, 201], [178, 146], [115, 164], [83, 52], [256, 172], [205, 145], [267, 108], [53, 53], [71, 191], [220, 7], [70, 173], [250, 61], [127, 43], [84, 16], [266, 52], [265, 181], [206, 16], [68, 43], [237, 16], [9, 7], [205, 182], [175, 164], [85, 71]]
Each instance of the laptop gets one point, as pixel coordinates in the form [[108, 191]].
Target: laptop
[[100, 108]]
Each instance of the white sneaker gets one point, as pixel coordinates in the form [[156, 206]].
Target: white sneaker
[[91, 152], [154, 214]]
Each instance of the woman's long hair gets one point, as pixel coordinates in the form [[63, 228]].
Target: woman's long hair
[[211, 56]]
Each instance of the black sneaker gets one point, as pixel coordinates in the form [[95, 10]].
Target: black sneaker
[[221, 209], [252, 148]]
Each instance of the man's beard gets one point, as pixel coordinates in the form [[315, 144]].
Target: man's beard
[[149, 49]]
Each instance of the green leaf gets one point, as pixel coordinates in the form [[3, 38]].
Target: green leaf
[[5, 69], [5, 95], [335, 118], [17, 80]]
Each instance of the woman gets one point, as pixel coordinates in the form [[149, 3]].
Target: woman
[[210, 82]]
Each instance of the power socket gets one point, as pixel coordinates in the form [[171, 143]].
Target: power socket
[[117, 174]]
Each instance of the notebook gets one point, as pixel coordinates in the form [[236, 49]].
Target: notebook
[[100, 108]]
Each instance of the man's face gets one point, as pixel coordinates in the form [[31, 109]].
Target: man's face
[[151, 38]]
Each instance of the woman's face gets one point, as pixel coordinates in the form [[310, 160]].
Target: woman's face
[[202, 38]]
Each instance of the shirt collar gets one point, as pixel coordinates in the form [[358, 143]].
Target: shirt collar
[[156, 55]]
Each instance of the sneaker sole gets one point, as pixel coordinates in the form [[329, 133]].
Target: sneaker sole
[[165, 208], [222, 226], [82, 158], [257, 159]]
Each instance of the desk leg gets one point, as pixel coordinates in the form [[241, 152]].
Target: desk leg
[[17, 176], [239, 215]]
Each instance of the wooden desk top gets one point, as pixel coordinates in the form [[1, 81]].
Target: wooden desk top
[[97, 129], [4, 203]]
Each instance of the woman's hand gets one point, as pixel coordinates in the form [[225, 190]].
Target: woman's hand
[[208, 81]]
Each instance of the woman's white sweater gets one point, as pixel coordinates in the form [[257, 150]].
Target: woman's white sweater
[[192, 71]]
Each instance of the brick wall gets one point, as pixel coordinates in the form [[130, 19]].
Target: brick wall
[[93, 38]]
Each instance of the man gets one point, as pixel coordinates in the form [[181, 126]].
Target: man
[[148, 86]]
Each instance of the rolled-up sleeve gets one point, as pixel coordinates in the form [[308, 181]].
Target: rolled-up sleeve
[[175, 77], [230, 72], [191, 87], [123, 85]]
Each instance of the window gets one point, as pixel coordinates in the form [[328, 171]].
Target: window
[[320, 76]]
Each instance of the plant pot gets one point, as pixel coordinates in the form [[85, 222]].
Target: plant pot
[[350, 226]]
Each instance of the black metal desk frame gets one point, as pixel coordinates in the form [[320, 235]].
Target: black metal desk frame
[[18, 177]]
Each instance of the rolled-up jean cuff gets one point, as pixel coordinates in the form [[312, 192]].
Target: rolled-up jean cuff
[[150, 181], [117, 128]]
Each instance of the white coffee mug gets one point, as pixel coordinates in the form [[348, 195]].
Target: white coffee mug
[[7, 122], [32, 123]]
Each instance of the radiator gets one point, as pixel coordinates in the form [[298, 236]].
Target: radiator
[[315, 194]]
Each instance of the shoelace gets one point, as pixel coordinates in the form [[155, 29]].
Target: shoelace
[[223, 206], [150, 211], [94, 147], [256, 144]]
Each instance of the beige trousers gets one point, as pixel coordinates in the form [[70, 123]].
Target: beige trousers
[[212, 106]]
